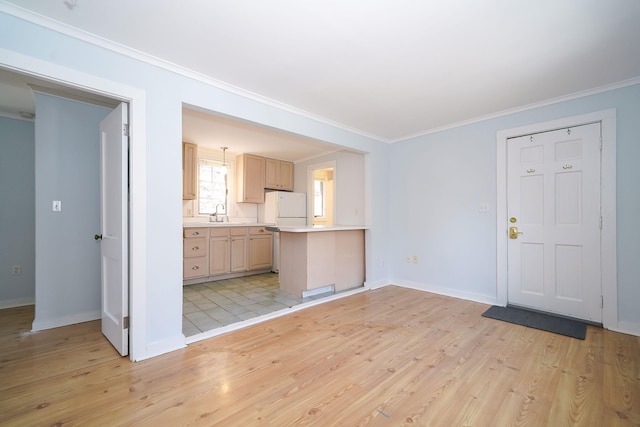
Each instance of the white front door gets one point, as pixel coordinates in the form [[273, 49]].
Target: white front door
[[114, 246], [553, 203]]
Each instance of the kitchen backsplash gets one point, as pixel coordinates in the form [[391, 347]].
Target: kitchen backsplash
[[238, 212]]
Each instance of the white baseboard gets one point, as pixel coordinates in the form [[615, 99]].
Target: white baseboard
[[56, 322], [469, 296], [162, 347], [629, 328], [11, 303], [377, 284]]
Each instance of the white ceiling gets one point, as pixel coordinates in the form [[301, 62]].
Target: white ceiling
[[388, 69]]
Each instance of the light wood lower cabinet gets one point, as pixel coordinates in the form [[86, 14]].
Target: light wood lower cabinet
[[220, 252], [238, 253], [260, 248], [219, 259], [194, 253]]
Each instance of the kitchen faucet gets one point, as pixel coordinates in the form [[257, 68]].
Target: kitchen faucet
[[216, 215]]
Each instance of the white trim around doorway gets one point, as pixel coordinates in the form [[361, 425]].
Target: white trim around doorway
[[608, 205], [136, 98]]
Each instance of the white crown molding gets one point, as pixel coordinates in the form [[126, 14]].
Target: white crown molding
[[551, 101], [15, 116], [102, 42], [60, 27]]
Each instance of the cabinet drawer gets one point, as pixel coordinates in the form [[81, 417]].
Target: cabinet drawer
[[194, 267], [219, 232], [238, 231], [259, 231], [194, 232], [194, 247]]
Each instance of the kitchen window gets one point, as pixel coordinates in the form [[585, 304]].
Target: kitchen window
[[213, 186]]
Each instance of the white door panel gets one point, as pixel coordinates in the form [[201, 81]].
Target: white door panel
[[114, 246], [554, 201]]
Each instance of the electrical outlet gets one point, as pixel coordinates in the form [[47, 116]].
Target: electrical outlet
[[415, 259], [408, 259], [189, 212], [16, 270]]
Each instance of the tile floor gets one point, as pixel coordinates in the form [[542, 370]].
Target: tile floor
[[210, 305]]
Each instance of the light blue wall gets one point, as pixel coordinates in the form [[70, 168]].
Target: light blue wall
[[67, 159], [349, 185], [423, 193], [440, 179], [165, 92], [17, 220]]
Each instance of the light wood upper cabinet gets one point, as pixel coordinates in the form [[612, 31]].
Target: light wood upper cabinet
[[189, 171], [278, 175], [249, 179]]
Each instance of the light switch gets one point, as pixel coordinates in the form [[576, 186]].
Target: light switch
[[483, 207], [56, 206]]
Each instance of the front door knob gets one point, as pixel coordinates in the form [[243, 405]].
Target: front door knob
[[513, 232]]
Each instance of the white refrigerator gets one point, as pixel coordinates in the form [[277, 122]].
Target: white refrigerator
[[282, 208]]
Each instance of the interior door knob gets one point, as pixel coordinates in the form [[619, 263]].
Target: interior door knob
[[513, 232]]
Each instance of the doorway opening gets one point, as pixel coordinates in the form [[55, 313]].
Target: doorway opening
[[55, 82], [321, 180]]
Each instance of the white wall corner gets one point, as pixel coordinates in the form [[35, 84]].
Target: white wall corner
[[56, 322], [158, 348], [629, 328], [377, 284], [20, 302], [454, 293]]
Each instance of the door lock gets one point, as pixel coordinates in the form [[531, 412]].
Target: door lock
[[513, 232]]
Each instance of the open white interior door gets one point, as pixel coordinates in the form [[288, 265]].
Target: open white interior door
[[114, 246]]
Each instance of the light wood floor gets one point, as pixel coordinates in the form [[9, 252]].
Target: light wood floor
[[388, 357]]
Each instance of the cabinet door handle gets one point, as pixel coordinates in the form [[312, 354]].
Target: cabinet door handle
[[196, 233], [195, 267], [195, 248]]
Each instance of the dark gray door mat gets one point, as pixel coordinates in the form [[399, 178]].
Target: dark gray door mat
[[532, 319]]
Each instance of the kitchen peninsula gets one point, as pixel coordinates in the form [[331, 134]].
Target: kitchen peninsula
[[321, 258]]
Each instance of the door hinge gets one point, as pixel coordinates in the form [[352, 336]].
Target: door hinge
[[125, 322], [125, 129], [600, 223]]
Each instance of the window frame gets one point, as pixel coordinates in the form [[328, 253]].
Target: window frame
[[216, 163]]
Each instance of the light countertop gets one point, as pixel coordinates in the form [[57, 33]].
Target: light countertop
[[316, 228], [225, 224]]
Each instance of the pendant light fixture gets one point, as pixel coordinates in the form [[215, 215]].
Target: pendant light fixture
[[224, 159]]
